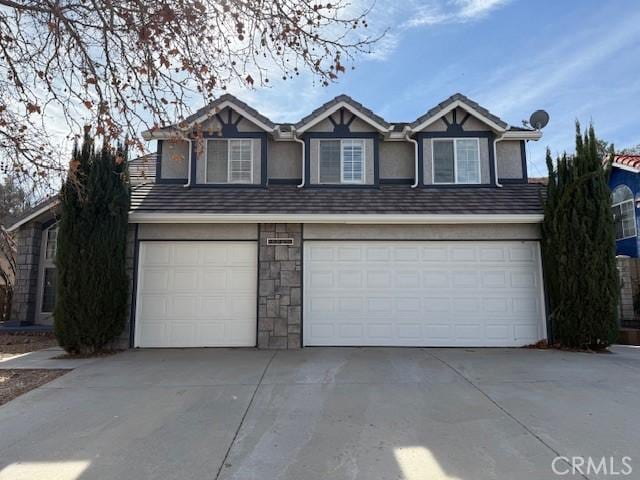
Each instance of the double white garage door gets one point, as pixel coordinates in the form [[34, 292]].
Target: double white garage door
[[354, 293]]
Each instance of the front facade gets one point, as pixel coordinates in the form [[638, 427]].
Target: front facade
[[624, 182], [342, 229]]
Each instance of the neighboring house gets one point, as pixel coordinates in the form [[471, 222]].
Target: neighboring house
[[624, 182], [341, 229]]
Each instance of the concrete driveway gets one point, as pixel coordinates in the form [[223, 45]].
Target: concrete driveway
[[343, 413]]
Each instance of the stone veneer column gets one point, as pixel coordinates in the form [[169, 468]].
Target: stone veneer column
[[25, 291], [130, 258], [279, 287], [626, 288]]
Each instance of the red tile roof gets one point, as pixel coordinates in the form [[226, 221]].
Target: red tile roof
[[632, 161]]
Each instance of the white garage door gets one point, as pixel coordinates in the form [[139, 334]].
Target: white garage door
[[422, 293], [196, 294]]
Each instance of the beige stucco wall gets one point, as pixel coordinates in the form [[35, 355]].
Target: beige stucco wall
[[472, 123], [485, 172], [314, 147], [509, 158], [437, 126], [284, 159], [174, 161], [397, 159], [313, 231], [199, 231], [358, 125], [220, 176], [422, 232]]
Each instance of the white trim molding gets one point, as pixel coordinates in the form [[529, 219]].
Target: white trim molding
[[453, 106], [33, 215], [622, 166], [334, 109], [398, 219]]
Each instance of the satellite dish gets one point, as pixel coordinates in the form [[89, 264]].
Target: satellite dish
[[539, 119]]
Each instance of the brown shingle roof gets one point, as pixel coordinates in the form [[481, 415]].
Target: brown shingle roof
[[391, 199]]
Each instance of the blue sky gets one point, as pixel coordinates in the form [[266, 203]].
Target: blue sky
[[575, 59]]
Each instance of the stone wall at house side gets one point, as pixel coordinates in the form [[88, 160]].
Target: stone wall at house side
[[23, 305], [279, 287], [123, 339], [627, 267]]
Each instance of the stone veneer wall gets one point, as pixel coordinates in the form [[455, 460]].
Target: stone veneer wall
[[629, 272], [279, 287], [23, 304], [123, 340]]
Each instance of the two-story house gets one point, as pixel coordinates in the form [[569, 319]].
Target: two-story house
[[340, 229]]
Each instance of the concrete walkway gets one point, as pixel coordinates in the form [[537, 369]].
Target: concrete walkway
[[322, 413], [48, 358]]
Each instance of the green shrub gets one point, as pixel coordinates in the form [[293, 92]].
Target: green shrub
[[579, 248], [92, 287]]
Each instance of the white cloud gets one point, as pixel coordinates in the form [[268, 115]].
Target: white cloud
[[453, 11]]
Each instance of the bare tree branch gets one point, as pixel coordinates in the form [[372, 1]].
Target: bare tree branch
[[123, 65]]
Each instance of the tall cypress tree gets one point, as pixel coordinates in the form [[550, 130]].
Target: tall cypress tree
[[579, 248], [92, 283]]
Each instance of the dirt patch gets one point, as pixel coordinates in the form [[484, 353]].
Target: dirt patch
[[102, 353], [12, 344], [15, 382]]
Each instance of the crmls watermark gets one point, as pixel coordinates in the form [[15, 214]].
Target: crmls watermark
[[614, 466]]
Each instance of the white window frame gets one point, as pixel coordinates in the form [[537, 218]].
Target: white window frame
[[342, 141], [228, 140], [633, 210], [44, 264], [455, 161]]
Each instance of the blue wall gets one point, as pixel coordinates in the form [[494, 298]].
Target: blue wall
[[628, 246]]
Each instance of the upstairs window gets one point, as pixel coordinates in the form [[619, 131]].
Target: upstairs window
[[456, 161], [624, 216], [341, 161], [229, 161]]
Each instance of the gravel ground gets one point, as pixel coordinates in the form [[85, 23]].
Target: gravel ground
[[16, 382], [12, 344]]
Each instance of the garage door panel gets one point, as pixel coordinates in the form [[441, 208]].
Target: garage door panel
[[153, 306], [154, 280], [186, 254], [196, 294], [468, 294], [492, 254], [185, 280], [156, 254]]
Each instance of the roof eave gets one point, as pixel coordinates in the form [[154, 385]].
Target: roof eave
[[333, 109], [417, 126], [35, 214], [628, 168], [534, 135], [159, 217]]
